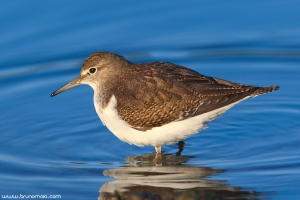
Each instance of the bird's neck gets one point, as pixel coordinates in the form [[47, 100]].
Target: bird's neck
[[102, 96]]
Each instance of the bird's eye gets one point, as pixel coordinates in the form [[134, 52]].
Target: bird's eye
[[92, 70]]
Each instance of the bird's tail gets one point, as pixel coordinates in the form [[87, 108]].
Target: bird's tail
[[264, 90]]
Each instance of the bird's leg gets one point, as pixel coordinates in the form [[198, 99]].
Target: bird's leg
[[158, 155], [158, 149], [180, 147]]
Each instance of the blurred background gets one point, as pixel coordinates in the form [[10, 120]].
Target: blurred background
[[58, 146]]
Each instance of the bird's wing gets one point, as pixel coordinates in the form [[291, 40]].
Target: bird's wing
[[159, 93]]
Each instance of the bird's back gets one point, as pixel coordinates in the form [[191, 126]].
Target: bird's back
[[153, 94]]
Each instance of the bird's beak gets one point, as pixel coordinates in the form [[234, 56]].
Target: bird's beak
[[71, 84]]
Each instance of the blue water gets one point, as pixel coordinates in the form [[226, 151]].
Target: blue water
[[58, 146]]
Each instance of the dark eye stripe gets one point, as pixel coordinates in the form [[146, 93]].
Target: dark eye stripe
[[92, 70]]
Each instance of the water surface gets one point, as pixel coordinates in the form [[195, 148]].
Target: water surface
[[58, 146]]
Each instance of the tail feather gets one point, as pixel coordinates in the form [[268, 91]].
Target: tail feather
[[264, 90]]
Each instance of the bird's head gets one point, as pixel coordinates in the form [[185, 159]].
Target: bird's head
[[96, 69]]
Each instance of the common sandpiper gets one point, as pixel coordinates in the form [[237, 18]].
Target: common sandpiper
[[156, 103]]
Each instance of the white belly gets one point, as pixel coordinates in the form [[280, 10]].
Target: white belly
[[166, 134]]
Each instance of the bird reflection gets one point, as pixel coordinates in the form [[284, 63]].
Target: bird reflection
[[144, 179]]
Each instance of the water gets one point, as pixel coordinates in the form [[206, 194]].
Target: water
[[58, 146]]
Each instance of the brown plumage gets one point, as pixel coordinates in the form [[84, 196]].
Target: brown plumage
[[153, 94]]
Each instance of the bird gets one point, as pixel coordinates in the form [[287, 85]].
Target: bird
[[156, 103]]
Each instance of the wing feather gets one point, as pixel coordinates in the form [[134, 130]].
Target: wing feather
[[155, 94]]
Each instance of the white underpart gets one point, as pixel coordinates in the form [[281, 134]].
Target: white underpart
[[166, 134]]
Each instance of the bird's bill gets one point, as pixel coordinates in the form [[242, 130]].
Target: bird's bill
[[71, 84]]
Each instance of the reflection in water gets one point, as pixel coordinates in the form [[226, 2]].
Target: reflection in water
[[144, 179]]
